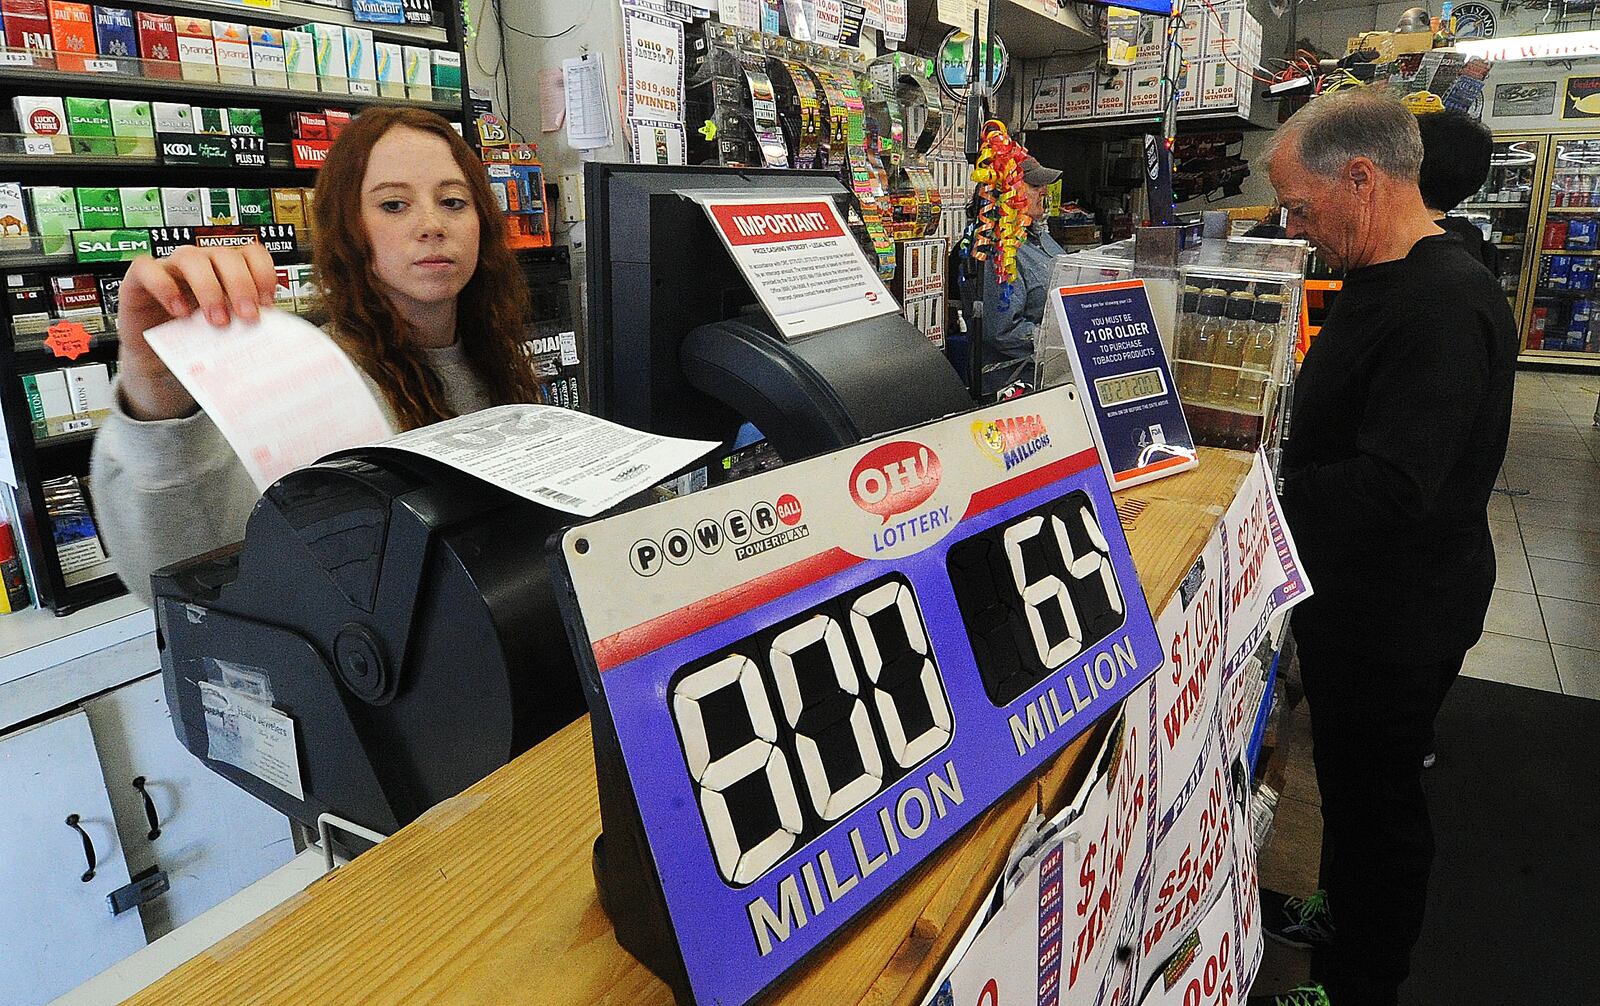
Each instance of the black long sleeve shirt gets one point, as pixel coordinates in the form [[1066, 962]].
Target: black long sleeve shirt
[[1401, 414]]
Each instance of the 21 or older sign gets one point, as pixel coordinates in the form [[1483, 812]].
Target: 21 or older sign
[[807, 681]]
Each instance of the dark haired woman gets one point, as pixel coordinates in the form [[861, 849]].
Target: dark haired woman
[[418, 289]]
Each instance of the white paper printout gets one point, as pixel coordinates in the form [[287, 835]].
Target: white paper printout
[[280, 391], [560, 458]]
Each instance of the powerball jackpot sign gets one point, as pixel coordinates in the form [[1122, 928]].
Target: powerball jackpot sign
[[807, 681], [801, 261]]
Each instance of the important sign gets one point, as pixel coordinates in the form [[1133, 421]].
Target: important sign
[[801, 261]]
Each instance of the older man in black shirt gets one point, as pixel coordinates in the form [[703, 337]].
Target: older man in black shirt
[[1401, 415]]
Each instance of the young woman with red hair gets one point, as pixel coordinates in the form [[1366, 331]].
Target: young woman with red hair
[[418, 288]]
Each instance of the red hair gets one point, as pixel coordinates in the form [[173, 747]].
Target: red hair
[[491, 311]]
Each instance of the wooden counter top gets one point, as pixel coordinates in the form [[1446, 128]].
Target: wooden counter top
[[488, 898]]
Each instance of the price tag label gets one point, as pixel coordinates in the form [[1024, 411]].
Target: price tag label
[[75, 425], [38, 146], [16, 59], [101, 66], [569, 348]]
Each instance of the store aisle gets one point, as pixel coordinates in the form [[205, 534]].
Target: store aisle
[[1543, 629]]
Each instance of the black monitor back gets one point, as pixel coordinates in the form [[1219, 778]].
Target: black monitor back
[[656, 271]]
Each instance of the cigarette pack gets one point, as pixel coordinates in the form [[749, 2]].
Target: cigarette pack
[[72, 29], [266, 56], [328, 40], [110, 294], [300, 59], [288, 207], [447, 69], [358, 60], [114, 33], [28, 303], [90, 386], [181, 207], [99, 208], [44, 116], [222, 207], [141, 206], [283, 293], [246, 122], [255, 206], [337, 119], [89, 119], [197, 50], [211, 121], [134, 127], [27, 25], [391, 69], [158, 44], [55, 216], [77, 298], [232, 41], [310, 125], [418, 71], [77, 540], [13, 217], [49, 403], [172, 116]]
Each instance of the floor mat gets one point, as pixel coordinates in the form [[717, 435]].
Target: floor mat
[[1515, 799]]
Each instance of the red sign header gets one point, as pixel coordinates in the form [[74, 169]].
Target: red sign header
[[775, 223]]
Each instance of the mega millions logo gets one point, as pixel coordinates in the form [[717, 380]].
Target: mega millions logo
[[1011, 441]]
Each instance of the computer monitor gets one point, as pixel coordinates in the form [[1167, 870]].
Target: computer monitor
[[678, 343]]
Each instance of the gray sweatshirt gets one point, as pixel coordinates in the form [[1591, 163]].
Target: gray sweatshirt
[[173, 488]]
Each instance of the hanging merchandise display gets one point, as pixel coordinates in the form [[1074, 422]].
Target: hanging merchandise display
[[800, 106], [841, 88], [775, 102], [763, 109], [1001, 221]]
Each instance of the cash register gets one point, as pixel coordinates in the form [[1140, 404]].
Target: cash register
[[395, 617]]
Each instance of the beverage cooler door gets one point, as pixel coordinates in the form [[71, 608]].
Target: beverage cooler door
[[1558, 320], [1506, 209]]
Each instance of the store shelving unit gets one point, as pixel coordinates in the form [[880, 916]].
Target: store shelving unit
[[101, 163]]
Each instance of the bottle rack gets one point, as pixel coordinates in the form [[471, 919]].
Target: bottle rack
[[123, 162]]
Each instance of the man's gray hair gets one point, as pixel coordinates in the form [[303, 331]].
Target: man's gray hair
[[1335, 128]]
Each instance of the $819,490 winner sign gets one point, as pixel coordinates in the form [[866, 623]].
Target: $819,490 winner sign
[[805, 682]]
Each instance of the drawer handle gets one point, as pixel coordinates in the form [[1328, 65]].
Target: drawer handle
[[88, 846], [149, 809]]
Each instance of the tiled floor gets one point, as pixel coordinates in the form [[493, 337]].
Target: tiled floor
[[1544, 622], [1543, 629]]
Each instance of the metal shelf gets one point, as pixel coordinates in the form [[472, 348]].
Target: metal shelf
[[46, 77], [1493, 206], [290, 13], [278, 159], [1582, 358]]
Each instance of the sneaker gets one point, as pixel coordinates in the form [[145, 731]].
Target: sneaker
[[1305, 995], [1303, 923]]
